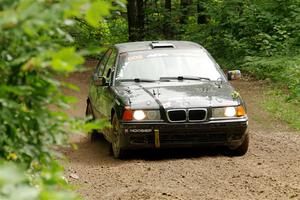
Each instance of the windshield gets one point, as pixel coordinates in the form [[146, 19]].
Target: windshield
[[153, 65]]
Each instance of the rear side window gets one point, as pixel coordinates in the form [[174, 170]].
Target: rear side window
[[102, 62], [110, 63]]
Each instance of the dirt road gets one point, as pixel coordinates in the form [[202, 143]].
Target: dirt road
[[270, 170]]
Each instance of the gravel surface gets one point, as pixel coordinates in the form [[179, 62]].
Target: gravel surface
[[270, 169]]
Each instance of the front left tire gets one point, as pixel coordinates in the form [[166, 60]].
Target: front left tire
[[94, 134], [117, 151]]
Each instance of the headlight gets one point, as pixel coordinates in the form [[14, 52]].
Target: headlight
[[139, 115], [146, 115], [238, 111], [230, 112], [152, 115]]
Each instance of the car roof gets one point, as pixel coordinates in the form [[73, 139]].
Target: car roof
[[149, 45]]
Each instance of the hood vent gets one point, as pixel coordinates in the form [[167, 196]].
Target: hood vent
[[157, 45]]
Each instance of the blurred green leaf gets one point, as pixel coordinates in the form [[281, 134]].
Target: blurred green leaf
[[96, 11], [66, 60]]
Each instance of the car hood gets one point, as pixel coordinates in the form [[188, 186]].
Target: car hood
[[176, 95]]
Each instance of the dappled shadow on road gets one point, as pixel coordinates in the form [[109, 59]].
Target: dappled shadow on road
[[94, 153], [173, 153]]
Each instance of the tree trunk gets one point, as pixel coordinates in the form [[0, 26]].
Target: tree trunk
[[168, 5], [136, 15], [202, 18], [168, 32], [184, 4]]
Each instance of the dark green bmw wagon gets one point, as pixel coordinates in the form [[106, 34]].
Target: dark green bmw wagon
[[166, 94]]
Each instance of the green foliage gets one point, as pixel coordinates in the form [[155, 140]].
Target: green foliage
[[36, 49], [261, 37], [281, 69], [18, 184], [14, 185], [31, 57], [162, 23], [287, 111], [118, 28], [112, 30], [92, 15], [239, 28]]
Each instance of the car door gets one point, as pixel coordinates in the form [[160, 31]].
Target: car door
[[105, 96], [93, 89]]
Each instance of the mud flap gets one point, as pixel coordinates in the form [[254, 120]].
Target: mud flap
[[156, 136]]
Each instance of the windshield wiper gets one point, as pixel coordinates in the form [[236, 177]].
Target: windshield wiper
[[137, 80], [180, 78]]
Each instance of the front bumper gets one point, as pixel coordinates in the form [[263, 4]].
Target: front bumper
[[165, 135]]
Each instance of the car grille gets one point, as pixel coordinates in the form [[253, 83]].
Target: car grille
[[176, 115], [197, 114], [182, 115]]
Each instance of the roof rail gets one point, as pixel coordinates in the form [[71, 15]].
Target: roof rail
[[157, 45]]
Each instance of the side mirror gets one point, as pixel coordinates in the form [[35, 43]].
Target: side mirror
[[100, 81], [234, 75]]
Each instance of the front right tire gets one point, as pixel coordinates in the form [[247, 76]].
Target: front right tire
[[242, 149]]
